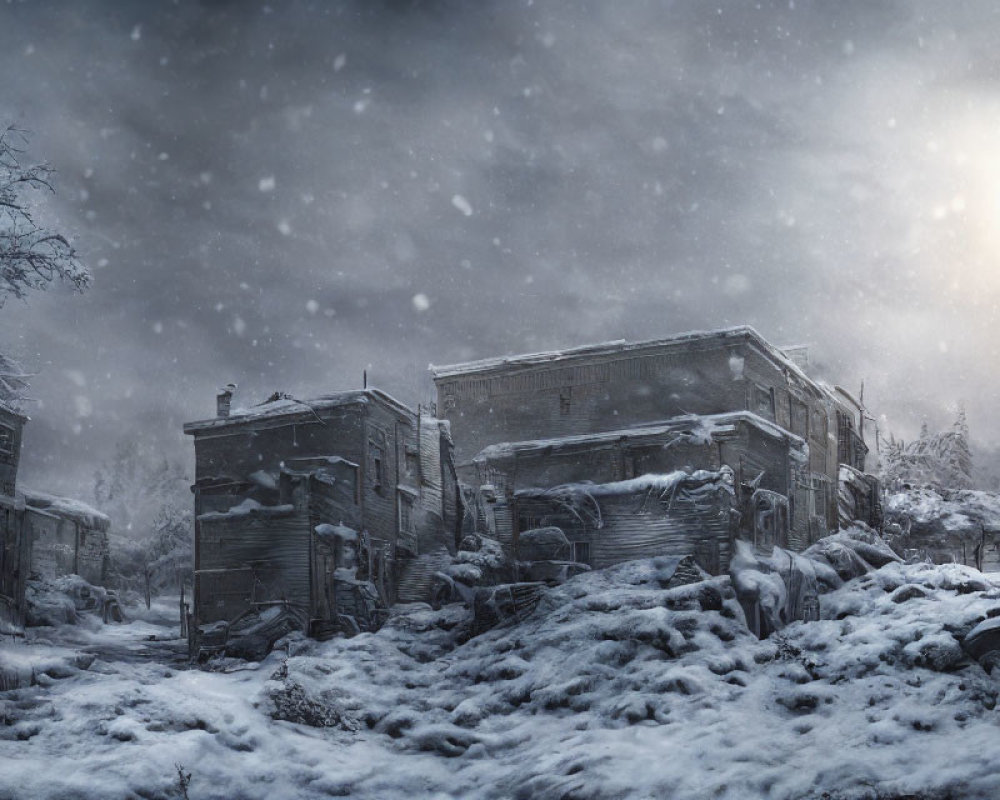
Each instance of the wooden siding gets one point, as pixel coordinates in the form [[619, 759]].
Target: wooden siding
[[642, 526], [609, 390], [240, 450], [53, 545], [61, 546], [15, 550], [275, 547], [615, 390], [10, 454]]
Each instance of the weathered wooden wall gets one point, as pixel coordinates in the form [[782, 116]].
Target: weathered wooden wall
[[259, 557], [591, 394], [237, 451], [93, 554], [15, 553], [638, 384], [391, 479], [60, 546], [644, 524], [11, 432], [53, 544]]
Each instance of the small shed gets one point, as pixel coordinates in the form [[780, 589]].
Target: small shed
[[67, 537]]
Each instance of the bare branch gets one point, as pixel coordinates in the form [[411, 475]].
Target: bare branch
[[31, 256]]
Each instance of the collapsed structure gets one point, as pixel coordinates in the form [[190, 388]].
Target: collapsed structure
[[322, 508]]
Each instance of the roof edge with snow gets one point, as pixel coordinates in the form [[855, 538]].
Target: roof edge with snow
[[487, 365], [67, 508], [707, 425], [293, 409]]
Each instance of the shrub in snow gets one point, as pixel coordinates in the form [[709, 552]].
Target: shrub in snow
[[291, 701]]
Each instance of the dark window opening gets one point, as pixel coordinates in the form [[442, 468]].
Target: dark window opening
[[764, 401], [565, 403], [376, 457], [405, 514]]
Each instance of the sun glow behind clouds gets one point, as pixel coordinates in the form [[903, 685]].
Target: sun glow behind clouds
[[961, 230]]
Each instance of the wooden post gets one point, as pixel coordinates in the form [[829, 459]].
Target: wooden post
[[183, 610]]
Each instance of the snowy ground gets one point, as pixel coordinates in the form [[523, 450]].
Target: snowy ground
[[614, 687]]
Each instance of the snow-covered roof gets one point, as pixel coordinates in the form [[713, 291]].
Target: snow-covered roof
[[702, 428], [659, 482], [248, 508], [66, 507], [619, 346], [342, 532], [291, 407]]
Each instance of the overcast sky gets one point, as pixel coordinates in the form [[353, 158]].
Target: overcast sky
[[285, 195]]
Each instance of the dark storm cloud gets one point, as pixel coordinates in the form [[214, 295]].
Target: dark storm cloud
[[262, 191]]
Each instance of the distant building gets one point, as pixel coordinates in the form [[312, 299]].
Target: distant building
[[619, 410], [43, 536], [335, 508], [67, 537]]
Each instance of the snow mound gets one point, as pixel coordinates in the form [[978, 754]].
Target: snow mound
[[65, 600], [544, 706]]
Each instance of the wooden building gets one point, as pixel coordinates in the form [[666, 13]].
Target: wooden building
[[610, 411], [764, 461], [320, 505], [67, 537], [14, 545]]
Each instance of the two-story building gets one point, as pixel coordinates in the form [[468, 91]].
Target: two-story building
[[608, 412], [319, 505]]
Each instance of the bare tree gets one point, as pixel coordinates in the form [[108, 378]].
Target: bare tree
[[31, 255]]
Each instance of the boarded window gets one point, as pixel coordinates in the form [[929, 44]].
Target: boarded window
[[820, 494], [376, 461], [800, 418], [763, 403], [405, 513]]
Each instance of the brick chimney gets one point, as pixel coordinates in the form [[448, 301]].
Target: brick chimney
[[224, 400]]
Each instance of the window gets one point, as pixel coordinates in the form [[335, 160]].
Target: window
[[581, 552], [819, 487], [405, 513], [565, 402], [800, 418], [763, 402], [376, 458]]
